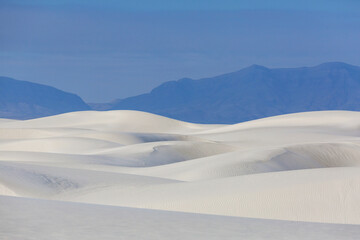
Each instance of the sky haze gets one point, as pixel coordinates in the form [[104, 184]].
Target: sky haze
[[103, 50]]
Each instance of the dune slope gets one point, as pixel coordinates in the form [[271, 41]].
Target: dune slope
[[297, 167]]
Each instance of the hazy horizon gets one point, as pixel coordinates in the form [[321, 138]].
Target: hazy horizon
[[103, 51]]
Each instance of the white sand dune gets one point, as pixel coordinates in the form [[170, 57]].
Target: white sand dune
[[3, 120], [43, 220], [297, 167], [115, 121]]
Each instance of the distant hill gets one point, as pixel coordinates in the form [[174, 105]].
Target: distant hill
[[25, 100], [253, 92]]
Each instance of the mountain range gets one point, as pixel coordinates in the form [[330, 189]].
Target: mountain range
[[251, 93], [26, 100]]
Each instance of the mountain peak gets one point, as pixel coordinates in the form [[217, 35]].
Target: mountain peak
[[256, 67], [254, 92]]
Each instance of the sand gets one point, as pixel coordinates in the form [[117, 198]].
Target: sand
[[291, 171]]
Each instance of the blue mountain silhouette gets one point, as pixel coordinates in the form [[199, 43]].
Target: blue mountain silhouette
[[25, 100], [253, 92]]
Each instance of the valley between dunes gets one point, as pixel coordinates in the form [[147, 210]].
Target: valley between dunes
[[296, 173]]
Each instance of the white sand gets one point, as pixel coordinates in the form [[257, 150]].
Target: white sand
[[297, 167], [30, 219]]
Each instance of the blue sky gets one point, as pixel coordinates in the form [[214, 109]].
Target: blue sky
[[104, 50], [154, 5]]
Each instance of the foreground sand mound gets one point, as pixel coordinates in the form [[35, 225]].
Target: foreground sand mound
[[302, 167], [35, 219]]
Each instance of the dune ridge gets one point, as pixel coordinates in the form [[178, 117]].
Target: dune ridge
[[296, 167]]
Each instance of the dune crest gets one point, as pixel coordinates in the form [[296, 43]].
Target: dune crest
[[298, 167]]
